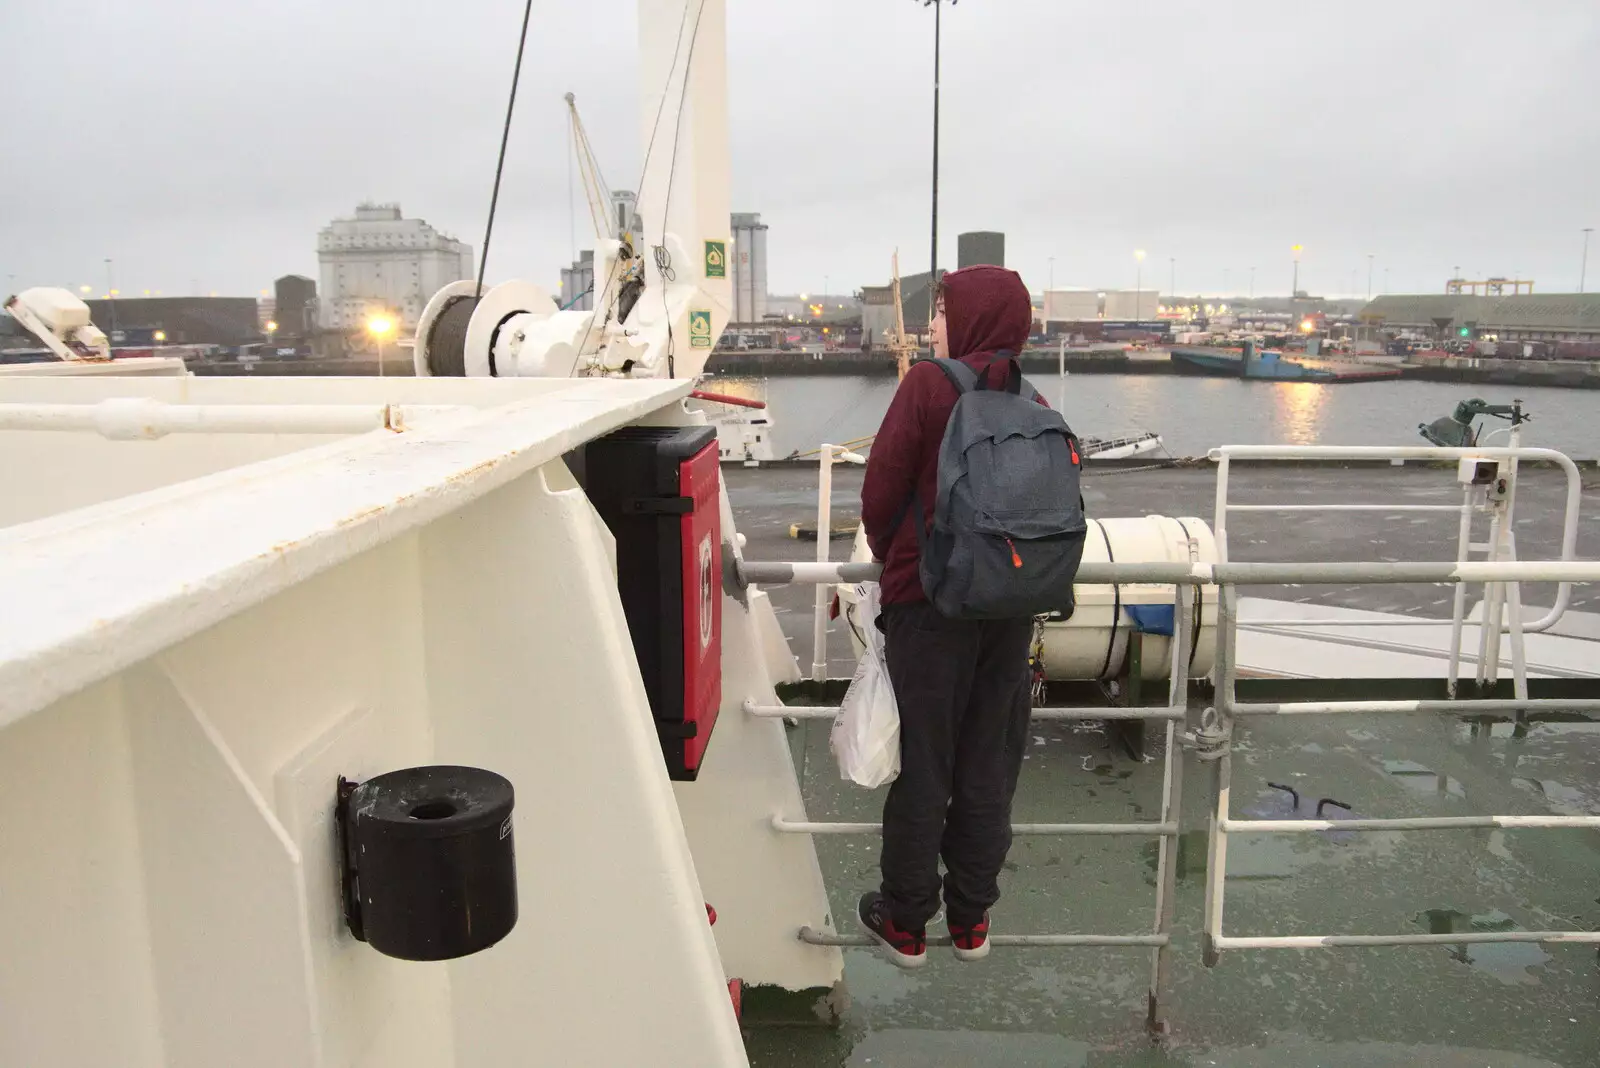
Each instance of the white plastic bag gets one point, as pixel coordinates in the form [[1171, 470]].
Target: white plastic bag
[[866, 735]]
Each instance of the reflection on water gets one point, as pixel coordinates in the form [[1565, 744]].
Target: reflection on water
[[1299, 411], [1192, 414], [1506, 961]]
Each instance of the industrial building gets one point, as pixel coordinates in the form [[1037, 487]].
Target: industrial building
[[380, 261], [1548, 317], [979, 248], [294, 306], [577, 283], [877, 307], [178, 320], [1068, 306], [749, 267]]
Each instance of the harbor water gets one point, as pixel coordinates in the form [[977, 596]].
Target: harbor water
[[1195, 414]]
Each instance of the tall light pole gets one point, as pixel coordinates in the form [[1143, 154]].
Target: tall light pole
[[1583, 272], [1370, 257], [1172, 278], [1138, 285], [111, 295], [1052, 273], [380, 327], [1294, 287], [938, 28], [1252, 283]]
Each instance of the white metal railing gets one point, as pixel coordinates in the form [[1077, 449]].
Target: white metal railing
[[1216, 736], [1569, 528], [1165, 829], [1212, 740]]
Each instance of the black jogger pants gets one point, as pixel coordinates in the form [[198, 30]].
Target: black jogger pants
[[963, 691]]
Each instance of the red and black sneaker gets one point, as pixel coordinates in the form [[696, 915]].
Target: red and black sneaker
[[904, 949], [971, 941]]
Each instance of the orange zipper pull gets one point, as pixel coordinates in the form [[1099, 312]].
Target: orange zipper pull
[[1016, 560], [1073, 445]]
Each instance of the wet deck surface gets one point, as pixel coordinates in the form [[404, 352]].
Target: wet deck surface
[[1507, 1006]]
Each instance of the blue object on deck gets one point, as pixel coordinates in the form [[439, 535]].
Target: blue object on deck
[[1151, 618]]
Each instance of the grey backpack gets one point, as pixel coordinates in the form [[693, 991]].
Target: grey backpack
[[1008, 523]]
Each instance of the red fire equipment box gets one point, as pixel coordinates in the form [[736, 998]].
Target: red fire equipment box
[[658, 490]]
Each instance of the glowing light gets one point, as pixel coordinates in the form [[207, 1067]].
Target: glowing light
[[380, 326], [159, 335], [272, 327], [1138, 254], [1297, 250], [116, 292], [1306, 326], [85, 289]]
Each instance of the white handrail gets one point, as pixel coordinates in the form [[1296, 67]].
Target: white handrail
[[1223, 455]]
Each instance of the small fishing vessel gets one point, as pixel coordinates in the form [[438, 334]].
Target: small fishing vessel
[[1269, 365]]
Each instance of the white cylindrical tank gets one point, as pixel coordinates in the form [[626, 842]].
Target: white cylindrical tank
[[1093, 644], [1088, 646]]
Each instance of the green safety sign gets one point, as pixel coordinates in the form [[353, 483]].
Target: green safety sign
[[699, 329], [716, 259]]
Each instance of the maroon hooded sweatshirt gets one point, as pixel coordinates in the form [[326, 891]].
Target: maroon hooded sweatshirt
[[987, 310]]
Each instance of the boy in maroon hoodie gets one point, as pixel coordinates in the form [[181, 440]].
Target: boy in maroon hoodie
[[962, 685]]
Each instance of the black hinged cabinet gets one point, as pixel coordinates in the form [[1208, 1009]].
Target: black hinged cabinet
[[659, 491]]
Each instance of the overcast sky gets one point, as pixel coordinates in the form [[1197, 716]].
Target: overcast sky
[[202, 145]]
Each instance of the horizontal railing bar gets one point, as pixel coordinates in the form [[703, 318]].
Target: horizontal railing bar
[[1380, 452], [1238, 574], [1152, 830], [832, 711], [1269, 624], [1345, 508], [1419, 823], [1487, 704], [1454, 939], [814, 937]]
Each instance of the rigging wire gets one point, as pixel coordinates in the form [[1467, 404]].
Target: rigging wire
[[505, 137], [663, 258]]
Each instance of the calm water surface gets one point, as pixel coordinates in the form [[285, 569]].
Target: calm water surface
[[1195, 414]]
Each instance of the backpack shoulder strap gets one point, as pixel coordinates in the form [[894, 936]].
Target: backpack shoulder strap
[[960, 375]]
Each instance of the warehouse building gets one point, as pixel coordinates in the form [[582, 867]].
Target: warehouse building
[[1550, 317]]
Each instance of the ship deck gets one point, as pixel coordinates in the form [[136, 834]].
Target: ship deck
[[1509, 1005]]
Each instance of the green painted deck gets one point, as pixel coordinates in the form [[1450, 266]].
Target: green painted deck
[[1506, 1006]]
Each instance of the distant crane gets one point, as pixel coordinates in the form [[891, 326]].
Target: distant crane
[[595, 189], [903, 347]]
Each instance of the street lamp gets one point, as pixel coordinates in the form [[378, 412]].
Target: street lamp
[[271, 328], [1138, 285], [1294, 288], [938, 26], [111, 295], [1369, 275], [1583, 272], [380, 327]]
